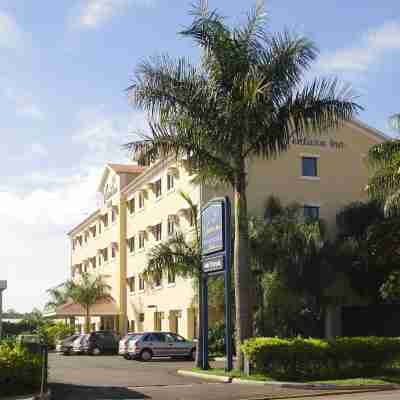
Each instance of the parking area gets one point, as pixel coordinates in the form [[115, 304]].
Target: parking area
[[112, 377]]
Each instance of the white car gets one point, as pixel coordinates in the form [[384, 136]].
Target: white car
[[123, 344]]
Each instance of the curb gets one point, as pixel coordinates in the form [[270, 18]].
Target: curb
[[292, 385], [46, 396], [219, 378]]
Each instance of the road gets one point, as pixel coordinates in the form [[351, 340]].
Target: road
[[111, 377]]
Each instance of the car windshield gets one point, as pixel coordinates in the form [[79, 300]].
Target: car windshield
[[133, 336]]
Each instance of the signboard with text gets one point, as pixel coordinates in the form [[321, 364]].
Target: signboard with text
[[212, 231]]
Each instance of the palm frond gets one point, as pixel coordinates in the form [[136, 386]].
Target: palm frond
[[385, 153]]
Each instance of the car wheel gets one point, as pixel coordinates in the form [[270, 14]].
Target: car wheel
[[96, 351], [146, 355], [127, 356]]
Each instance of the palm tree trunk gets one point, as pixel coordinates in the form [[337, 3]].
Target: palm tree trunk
[[243, 303], [87, 320]]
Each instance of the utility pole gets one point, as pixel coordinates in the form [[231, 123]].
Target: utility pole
[[3, 286]]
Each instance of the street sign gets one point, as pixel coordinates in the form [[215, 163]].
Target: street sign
[[214, 264], [216, 255], [212, 227]]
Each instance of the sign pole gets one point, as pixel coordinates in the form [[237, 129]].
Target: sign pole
[[227, 286], [205, 322]]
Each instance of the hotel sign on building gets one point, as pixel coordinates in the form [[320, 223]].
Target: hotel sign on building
[[143, 207]]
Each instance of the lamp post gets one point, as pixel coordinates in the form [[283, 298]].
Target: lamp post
[[3, 286]]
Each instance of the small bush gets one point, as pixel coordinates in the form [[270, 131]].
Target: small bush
[[20, 371], [319, 359]]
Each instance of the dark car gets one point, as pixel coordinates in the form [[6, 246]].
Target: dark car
[[101, 342], [64, 346]]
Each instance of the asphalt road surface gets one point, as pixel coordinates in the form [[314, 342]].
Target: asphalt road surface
[[112, 377]]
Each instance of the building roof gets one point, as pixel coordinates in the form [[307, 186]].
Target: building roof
[[105, 306], [126, 168], [85, 221]]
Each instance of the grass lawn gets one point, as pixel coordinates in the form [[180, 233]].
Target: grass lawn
[[392, 377]]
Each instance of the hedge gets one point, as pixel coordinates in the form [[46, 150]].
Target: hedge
[[299, 359], [20, 371]]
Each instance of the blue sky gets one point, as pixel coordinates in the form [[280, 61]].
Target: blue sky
[[64, 66]]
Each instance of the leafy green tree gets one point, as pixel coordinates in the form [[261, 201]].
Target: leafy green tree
[[248, 98], [86, 292]]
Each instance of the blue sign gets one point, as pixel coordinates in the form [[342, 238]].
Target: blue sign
[[212, 230]]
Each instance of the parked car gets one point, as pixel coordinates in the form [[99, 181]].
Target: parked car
[[100, 342], [123, 343], [64, 346], [160, 344], [78, 344]]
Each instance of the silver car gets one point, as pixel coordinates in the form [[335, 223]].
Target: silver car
[[160, 344], [123, 344], [79, 343]]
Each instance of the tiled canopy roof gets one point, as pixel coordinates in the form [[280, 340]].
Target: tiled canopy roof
[[103, 307]]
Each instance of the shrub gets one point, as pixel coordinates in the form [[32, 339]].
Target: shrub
[[319, 359], [20, 371]]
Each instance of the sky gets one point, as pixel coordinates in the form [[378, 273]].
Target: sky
[[64, 68]]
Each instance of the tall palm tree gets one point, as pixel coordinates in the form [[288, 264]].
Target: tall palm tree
[[86, 292], [384, 184], [57, 296], [246, 99], [181, 256]]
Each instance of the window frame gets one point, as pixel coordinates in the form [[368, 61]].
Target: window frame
[[315, 166], [158, 188], [311, 207]]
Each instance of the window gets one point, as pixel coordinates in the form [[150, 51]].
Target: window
[[141, 240], [113, 214], [141, 282], [157, 279], [141, 317], [94, 231], [105, 254], [309, 166], [100, 259], [85, 267], [105, 220], [141, 200], [171, 227], [131, 244], [86, 236], [158, 232], [132, 284], [170, 182], [94, 262], [193, 215], [99, 228], [157, 188], [311, 212], [73, 244], [131, 205], [132, 327], [113, 252], [171, 276]]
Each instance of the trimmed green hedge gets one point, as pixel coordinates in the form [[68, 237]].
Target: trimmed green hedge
[[319, 359], [20, 371]]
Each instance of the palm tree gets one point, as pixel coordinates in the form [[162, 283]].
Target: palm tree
[[57, 297], [246, 99], [384, 184], [86, 292], [182, 257]]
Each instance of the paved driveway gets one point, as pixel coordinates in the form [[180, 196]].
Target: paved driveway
[[112, 377]]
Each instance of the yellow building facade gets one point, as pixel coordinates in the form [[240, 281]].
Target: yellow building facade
[[142, 206]]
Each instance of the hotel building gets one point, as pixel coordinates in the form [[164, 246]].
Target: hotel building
[[142, 206]]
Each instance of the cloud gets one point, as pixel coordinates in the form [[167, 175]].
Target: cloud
[[373, 46], [24, 103], [94, 13], [11, 35]]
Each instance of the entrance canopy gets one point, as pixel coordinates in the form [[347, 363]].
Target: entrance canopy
[[103, 307]]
